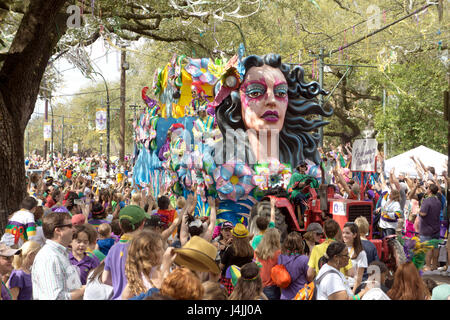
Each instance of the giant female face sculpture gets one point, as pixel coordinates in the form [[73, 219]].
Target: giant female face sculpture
[[264, 98], [274, 97]]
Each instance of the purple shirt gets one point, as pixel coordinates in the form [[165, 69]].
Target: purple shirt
[[22, 280], [5, 293], [431, 223], [85, 265], [115, 264], [297, 266]]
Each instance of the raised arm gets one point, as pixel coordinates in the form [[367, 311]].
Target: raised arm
[[184, 232], [212, 219], [393, 179]]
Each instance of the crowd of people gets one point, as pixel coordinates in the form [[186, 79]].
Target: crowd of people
[[79, 237]]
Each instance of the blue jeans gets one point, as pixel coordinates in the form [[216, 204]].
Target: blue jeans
[[272, 292]]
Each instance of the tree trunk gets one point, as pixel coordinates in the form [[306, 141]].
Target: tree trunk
[[20, 76]]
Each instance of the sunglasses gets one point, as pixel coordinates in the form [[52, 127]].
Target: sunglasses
[[69, 225]]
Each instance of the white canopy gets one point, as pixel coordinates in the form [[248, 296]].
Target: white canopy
[[404, 164]]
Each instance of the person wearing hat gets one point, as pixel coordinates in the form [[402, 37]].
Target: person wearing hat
[[299, 180], [223, 240], [132, 220], [203, 125], [6, 259], [22, 224], [312, 237], [238, 253]]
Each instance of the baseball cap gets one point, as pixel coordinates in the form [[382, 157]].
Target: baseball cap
[[314, 227], [154, 221], [227, 225], [6, 251], [133, 213], [78, 219]]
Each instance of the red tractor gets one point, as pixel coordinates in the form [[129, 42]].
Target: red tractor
[[322, 204]]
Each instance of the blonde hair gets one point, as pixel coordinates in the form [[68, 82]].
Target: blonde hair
[[182, 284], [269, 244], [363, 225], [181, 202], [141, 258], [26, 249], [104, 230], [136, 198]]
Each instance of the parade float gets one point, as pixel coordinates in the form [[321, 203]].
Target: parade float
[[204, 131]]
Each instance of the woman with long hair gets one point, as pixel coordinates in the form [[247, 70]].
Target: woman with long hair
[[350, 235], [408, 285], [238, 253], [296, 263], [270, 96], [249, 286], [142, 267], [267, 254]]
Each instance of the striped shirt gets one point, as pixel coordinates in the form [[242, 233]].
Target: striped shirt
[[52, 274], [390, 213], [20, 228]]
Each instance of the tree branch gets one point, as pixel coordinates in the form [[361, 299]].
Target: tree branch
[[16, 6]]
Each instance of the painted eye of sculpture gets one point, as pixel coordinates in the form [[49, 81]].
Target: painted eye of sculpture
[[255, 90], [281, 91]]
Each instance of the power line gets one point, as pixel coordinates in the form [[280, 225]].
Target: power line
[[81, 93], [374, 32]]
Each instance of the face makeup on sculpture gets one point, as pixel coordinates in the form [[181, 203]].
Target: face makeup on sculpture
[[264, 98]]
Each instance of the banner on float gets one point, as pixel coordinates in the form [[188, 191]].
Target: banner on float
[[47, 131], [100, 121], [364, 152]]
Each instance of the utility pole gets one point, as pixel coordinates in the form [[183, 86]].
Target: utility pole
[[45, 120], [384, 112], [321, 67], [123, 68], [62, 137]]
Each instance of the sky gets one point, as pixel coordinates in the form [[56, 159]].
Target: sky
[[105, 60]]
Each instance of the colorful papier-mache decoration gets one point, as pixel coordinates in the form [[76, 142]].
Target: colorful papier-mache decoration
[[182, 133]]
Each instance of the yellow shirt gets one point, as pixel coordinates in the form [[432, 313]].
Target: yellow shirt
[[318, 251]]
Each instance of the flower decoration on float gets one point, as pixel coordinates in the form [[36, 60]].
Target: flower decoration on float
[[199, 70], [234, 180]]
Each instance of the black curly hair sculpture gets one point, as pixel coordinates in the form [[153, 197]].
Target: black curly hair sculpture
[[297, 142]]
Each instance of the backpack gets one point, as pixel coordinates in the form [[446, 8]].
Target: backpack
[[280, 276], [309, 291]]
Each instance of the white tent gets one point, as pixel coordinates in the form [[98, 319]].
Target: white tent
[[404, 164]]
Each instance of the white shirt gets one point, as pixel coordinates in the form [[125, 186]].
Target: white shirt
[[359, 262], [53, 276], [331, 283]]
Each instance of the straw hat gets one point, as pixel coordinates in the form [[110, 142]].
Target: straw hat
[[239, 231], [198, 255]]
